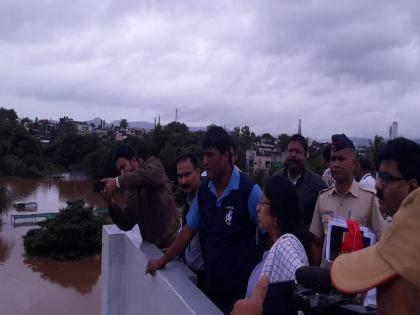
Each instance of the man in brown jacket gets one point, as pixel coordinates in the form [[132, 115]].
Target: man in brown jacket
[[149, 199]]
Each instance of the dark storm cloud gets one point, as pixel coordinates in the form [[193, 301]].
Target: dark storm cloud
[[341, 66], [369, 40]]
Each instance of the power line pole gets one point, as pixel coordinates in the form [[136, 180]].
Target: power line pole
[[300, 127]]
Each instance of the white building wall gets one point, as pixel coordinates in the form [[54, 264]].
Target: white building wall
[[262, 163], [394, 130]]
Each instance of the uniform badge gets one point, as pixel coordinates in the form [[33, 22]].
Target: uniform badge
[[229, 215]]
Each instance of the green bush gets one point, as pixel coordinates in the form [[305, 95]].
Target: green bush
[[12, 165], [74, 233]]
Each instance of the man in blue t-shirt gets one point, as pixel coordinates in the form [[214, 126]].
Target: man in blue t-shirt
[[224, 212]]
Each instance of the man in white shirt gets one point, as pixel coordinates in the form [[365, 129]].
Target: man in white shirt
[[363, 173], [189, 179], [326, 155]]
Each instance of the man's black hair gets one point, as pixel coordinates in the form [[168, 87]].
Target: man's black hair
[[284, 204], [299, 138], [365, 164], [188, 156], [406, 154], [326, 152], [125, 152], [217, 137]]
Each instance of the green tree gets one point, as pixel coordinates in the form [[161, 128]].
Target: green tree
[[71, 150], [66, 128], [99, 163], [123, 123], [315, 160], [268, 138], [374, 148], [168, 158], [20, 153], [244, 139], [284, 139], [158, 139], [8, 115], [74, 233]]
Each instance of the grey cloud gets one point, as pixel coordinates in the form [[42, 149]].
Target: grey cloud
[[341, 66], [363, 39]]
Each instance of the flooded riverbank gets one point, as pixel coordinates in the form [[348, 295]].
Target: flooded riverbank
[[33, 285]]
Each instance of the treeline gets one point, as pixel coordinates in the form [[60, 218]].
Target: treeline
[[23, 155], [20, 153]]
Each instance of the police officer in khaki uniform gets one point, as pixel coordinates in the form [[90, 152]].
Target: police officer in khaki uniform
[[346, 199]]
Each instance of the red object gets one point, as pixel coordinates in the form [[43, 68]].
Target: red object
[[353, 239]]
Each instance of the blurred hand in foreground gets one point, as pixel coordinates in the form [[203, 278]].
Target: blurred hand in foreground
[[254, 304]]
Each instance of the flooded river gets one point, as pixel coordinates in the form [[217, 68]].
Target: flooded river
[[35, 286]]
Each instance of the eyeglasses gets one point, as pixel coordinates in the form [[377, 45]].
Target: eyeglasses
[[386, 178]]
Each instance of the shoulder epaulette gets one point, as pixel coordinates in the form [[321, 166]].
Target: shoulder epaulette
[[325, 189], [368, 189]]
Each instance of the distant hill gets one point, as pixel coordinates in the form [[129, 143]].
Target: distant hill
[[96, 121], [136, 124], [359, 142], [133, 124]]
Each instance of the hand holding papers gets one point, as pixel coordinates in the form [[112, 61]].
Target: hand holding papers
[[337, 229]]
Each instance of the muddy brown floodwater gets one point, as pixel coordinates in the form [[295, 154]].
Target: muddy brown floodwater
[[30, 285]]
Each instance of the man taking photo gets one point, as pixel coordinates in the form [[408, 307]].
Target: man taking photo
[[149, 199]]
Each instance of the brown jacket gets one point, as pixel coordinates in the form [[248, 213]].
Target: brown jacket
[[150, 204]]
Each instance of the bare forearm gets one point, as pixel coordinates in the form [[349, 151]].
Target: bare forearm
[[316, 251], [179, 245]]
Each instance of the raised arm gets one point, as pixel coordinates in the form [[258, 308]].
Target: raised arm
[[150, 174]]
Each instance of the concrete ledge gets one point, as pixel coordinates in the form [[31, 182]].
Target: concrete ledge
[[127, 290]]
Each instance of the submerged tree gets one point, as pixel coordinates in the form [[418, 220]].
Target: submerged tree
[[74, 233]]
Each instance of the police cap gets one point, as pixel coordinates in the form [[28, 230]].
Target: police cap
[[340, 142]]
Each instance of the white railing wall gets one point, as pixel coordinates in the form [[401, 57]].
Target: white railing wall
[[126, 290]]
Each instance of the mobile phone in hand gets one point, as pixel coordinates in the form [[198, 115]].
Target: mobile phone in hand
[[98, 186]]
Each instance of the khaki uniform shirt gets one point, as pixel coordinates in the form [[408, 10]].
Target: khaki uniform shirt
[[359, 204]]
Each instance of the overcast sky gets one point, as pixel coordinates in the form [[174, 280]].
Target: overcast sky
[[341, 66]]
